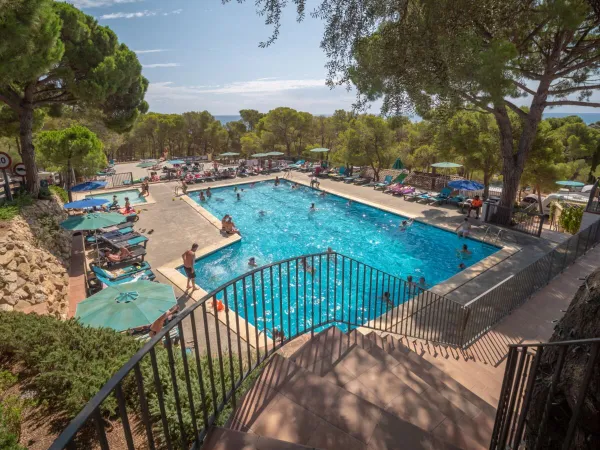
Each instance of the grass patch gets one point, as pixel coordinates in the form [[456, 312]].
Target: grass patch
[[9, 210], [62, 194]]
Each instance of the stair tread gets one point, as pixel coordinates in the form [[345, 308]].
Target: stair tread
[[227, 439]]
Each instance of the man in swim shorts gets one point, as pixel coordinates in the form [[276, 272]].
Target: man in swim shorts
[[464, 229], [188, 265]]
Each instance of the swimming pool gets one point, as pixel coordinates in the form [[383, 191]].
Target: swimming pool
[[276, 223], [132, 194]]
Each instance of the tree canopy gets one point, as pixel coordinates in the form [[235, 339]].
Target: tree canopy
[[422, 54], [52, 53]]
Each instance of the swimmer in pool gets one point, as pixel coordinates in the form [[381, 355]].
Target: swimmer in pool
[[464, 252], [252, 262], [261, 213], [307, 266], [312, 207], [276, 181], [239, 197], [202, 197], [462, 266], [349, 203], [422, 283], [208, 192], [386, 298], [405, 224], [322, 194]]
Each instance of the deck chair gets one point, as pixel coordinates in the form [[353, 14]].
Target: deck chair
[[386, 182], [338, 176]]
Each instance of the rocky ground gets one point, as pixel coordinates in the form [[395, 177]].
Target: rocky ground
[[34, 260]]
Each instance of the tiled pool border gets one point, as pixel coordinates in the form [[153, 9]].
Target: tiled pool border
[[81, 195], [170, 271]]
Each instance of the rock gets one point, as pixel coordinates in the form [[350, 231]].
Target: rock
[[6, 258], [10, 277], [39, 298], [10, 245], [30, 288], [21, 281], [4, 307], [24, 269], [12, 265], [20, 293], [22, 305], [9, 298]]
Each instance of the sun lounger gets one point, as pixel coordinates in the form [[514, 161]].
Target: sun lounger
[[397, 187], [115, 227], [137, 252], [407, 190], [339, 175], [386, 182], [138, 276], [351, 179], [122, 272], [426, 198], [361, 181], [413, 195], [442, 197], [127, 240]]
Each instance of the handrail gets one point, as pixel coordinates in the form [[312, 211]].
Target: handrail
[[336, 271], [556, 344]]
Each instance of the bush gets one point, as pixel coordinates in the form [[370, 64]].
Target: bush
[[65, 362], [62, 194], [10, 210], [11, 414], [570, 218]]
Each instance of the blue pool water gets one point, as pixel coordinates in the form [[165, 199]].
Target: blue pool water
[[276, 223], [133, 194]]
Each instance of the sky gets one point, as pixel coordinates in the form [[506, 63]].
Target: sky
[[203, 55]]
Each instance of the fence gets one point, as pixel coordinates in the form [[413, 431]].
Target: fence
[[529, 397], [191, 388], [119, 180], [489, 308], [523, 221]]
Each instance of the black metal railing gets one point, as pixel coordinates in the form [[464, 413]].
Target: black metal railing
[[543, 398], [527, 222], [119, 180], [172, 397], [593, 205], [486, 310]]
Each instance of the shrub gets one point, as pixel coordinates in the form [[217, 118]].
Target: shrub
[[45, 194], [9, 210], [570, 218], [62, 194], [11, 414], [65, 362]]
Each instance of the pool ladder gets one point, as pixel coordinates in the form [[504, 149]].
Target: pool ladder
[[493, 234]]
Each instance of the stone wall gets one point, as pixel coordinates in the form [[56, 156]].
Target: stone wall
[[34, 260]]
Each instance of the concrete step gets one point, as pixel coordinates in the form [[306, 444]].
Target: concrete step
[[401, 383], [226, 439], [295, 405]]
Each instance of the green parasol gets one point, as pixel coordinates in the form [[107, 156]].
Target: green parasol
[[145, 165], [126, 306], [570, 183], [319, 150], [274, 154], [93, 221], [398, 164], [259, 155], [229, 154]]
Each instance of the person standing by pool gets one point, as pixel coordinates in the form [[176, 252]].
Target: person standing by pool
[[464, 229], [127, 205], [189, 257], [184, 187], [202, 197], [208, 192], [276, 181]]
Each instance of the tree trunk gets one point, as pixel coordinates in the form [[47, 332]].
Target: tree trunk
[[539, 193], [486, 183], [27, 149]]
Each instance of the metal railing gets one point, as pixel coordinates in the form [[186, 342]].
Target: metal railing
[[175, 396], [539, 406], [527, 222], [486, 310], [119, 180]]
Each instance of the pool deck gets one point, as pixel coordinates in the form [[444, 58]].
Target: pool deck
[[173, 223]]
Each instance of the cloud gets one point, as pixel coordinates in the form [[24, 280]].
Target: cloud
[[150, 66], [98, 3], [156, 50], [247, 88], [134, 15]]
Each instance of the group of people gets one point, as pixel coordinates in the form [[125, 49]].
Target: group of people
[[228, 226]]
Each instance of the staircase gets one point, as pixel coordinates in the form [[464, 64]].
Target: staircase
[[350, 391]]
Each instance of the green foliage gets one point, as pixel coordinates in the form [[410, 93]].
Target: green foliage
[[60, 192], [11, 416], [7, 379], [570, 218], [64, 362], [72, 148], [10, 210]]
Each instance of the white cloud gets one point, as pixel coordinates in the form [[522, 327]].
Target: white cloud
[[133, 15], [150, 66], [122, 15], [98, 3], [156, 50]]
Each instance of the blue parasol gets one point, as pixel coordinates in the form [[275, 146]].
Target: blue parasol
[[465, 185], [86, 203], [570, 183], [89, 186]]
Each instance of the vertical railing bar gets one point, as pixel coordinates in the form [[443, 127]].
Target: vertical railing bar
[[256, 336], [503, 398], [169, 346], [123, 415], [211, 375], [199, 369], [264, 309], [161, 401], [289, 301], [362, 315], [349, 296], [555, 379], [219, 350], [188, 382], [370, 293], [312, 298], [335, 272], [100, 429], [304, 292], [231, 369], [144, 405], [585, 383], [513, 398], [327, 286], [245, 300], [281, 303], [237, 332], [520, 396], [343, 286], [296, 311], [356, 296], [273, 309]]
